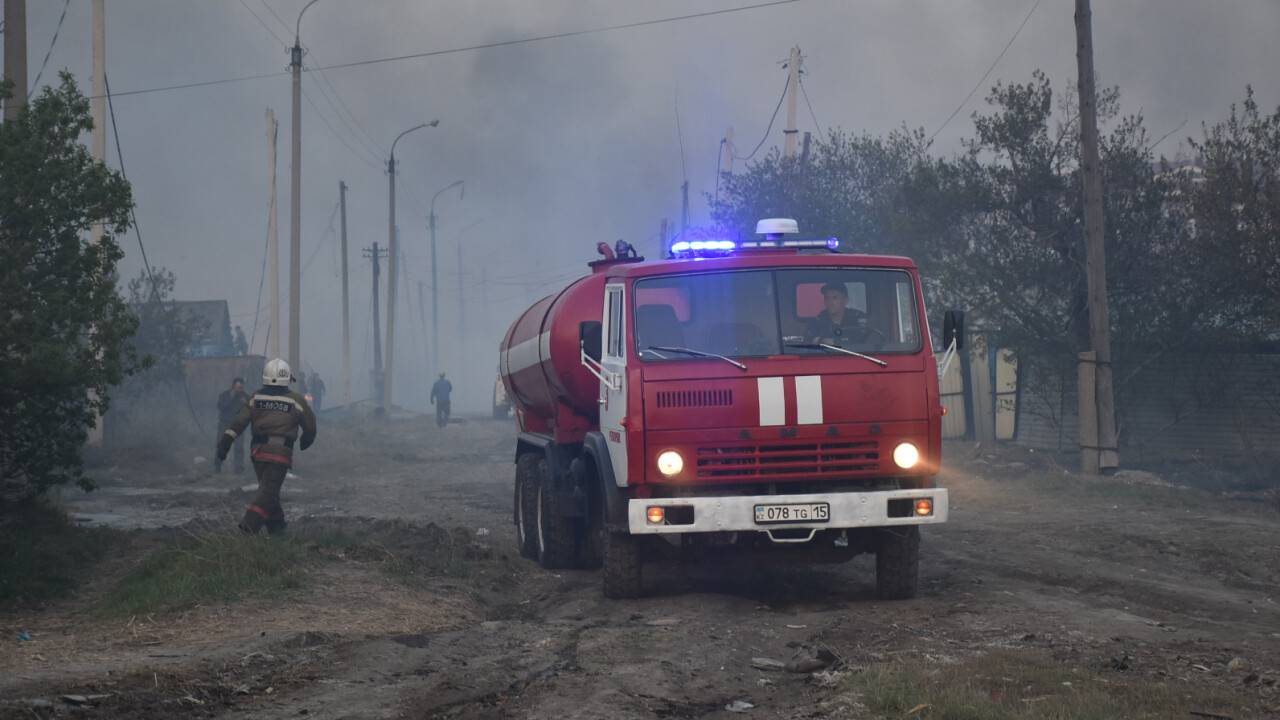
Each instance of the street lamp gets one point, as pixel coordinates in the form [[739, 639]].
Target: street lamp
[[435, 275], [393, 265], [295, 200]]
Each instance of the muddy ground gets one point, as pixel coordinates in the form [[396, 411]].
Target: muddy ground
[[1120, 583]]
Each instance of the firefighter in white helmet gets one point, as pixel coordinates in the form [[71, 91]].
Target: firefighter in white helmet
[[278, 417]]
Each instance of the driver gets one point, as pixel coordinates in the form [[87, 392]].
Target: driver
[[837, 321]]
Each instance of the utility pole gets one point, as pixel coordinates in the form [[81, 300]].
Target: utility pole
[[273, 243], [295, 203], [15, 55], [393, 264], [435, 298], [793, 88], [662, 239], [460, 339], [346, 311], [422, 318], [684, 208], [1098, 447], [375, 253]]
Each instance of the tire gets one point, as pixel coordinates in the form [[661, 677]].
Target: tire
[[898, 563], [556, 543], [623, 576], [526, 497]]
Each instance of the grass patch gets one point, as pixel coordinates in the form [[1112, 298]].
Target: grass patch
[[44, 556], [1026, 685], [209, 568]]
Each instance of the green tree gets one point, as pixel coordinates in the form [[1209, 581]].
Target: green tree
[[64, 330]]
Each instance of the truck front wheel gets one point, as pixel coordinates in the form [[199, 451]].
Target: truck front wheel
[[556, 542], [526, 508], [622, 565], [898, 563]]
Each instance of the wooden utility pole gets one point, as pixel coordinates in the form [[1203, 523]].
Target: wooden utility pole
[[1098, 449], [346, 306], [793, 89], [375, 254], [15, 55], [273, 243]]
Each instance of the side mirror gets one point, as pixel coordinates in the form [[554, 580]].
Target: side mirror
[[953, 329], [589, 338]]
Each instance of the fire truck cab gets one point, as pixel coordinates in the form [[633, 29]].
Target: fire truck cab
[[767, 396]]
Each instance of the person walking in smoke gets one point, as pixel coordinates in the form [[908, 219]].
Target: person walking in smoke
[[277, 416], [229, 404], [440, 398]]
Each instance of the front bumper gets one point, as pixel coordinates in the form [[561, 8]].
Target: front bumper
[[737, 513]]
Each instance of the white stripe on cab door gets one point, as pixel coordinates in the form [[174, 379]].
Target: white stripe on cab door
[[809, 400], [773, 401]]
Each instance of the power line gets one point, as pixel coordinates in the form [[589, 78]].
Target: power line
[[264, 25], [769, 129], [133, 215], [805, 93], [987, 74], [469, 48], [320, 84], [326, 236], [340, 138], [49, 52]]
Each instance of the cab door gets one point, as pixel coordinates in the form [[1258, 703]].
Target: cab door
[[613, 385]]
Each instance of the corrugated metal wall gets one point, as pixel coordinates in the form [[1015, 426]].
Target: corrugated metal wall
[[1177, 405]]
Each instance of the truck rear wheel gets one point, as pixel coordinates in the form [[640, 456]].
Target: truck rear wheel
[[898, 563], [556, 542], [622, 565], [526, 498]]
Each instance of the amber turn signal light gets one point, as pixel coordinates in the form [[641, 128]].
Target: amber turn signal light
[[656, 515], [924, 506]]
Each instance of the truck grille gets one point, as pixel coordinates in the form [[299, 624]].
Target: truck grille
[[802, 460], [694, 398]]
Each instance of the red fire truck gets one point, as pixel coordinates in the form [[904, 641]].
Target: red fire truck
[[766, 395]]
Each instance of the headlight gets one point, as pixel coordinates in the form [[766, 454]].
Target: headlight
[[670, 463], [906, 455]]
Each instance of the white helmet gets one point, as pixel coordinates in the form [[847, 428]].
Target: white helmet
[[277, 373]]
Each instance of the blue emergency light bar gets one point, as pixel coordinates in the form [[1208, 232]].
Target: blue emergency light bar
[[783, 242], [700, 247]]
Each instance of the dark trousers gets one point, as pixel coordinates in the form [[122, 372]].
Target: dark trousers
[[442, 413], [265, 510], [237, 451]]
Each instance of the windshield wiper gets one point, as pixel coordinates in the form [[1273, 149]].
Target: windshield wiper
[[699, 353], [836, 348]]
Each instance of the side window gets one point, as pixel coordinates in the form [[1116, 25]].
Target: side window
[[906, 318], [615, 315]]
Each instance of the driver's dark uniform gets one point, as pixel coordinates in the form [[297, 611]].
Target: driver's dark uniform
[[852, 328]]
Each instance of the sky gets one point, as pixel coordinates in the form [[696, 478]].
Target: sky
[[561, 143]]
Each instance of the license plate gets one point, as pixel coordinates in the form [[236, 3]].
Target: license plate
[[792, 513]]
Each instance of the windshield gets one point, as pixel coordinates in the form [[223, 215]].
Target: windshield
[[755, 313]]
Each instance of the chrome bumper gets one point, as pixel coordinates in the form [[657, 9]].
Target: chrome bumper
[[737, 513]]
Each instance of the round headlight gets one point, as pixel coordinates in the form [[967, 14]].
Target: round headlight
[[670, 463], [906, 455]]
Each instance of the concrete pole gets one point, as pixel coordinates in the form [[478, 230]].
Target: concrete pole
[[793, 89], [295, 214], [273, 244], [393, 264], [15, 54], [459, 340], [346, 305], [1095, 253], [374, 254], [98, 105], [435, 299]]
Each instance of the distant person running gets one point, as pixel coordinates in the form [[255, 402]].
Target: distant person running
[[440, 392]]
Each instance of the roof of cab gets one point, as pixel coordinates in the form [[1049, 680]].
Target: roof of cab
[[756, 260]]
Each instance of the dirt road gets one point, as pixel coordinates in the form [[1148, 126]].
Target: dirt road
[[1044, 586]]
